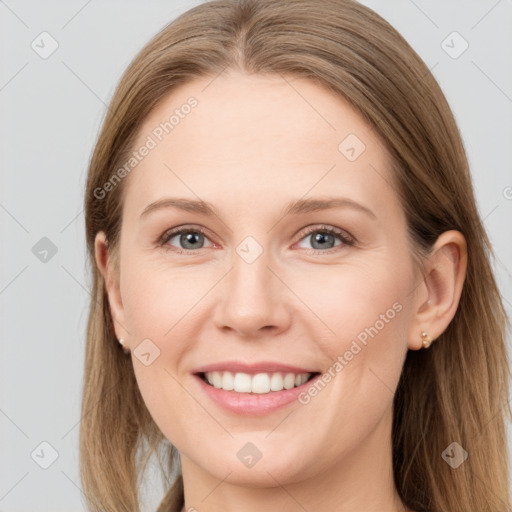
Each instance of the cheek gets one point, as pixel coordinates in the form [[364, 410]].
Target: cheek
[[162, 304], [364, 312], [361, 302], [158, 300]]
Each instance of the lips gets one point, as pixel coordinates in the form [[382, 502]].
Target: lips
[[264, 398], [260, 378], [253, 388]]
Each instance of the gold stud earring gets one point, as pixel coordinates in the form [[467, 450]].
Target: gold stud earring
[[427, 340]]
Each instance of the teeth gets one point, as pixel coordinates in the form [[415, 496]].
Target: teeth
[[259, 383]]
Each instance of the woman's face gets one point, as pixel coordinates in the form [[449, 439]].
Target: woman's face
[[265, 289]]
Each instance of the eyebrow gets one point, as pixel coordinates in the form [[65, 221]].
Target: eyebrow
[[297, 207]]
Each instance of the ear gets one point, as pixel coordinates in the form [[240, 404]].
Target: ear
[[437, 297], [110, 272]]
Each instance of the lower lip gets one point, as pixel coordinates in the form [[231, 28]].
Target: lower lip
[[253, 404]]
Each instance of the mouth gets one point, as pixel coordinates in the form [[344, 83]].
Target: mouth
[[257, 383]]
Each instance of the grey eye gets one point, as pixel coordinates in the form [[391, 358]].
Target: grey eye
[[321, 239], [188, 239]]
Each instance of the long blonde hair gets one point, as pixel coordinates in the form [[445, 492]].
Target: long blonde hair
[[457, 391]]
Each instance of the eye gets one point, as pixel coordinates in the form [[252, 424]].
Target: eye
[[187, 238], [324, 237]]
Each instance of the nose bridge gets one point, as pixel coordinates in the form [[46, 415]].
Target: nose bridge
[[251, 296], [251, 274]]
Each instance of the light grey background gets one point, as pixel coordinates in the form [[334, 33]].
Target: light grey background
[[51, 110]]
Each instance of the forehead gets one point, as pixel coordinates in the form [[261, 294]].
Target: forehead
[[257, 136]]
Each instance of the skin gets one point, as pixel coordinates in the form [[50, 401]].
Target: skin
[[250, 146]]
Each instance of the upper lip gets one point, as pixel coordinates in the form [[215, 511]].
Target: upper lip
[[252, 368]]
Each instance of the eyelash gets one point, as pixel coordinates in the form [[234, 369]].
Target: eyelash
[[345, 238]]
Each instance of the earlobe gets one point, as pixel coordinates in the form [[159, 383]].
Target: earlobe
[[441, 289], [110, 274]]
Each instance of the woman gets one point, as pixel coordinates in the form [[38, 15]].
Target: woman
[[285, 362]]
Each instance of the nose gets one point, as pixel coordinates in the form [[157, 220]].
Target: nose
[[253, 300]]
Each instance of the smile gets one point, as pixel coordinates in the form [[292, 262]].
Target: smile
[[260, 383]]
